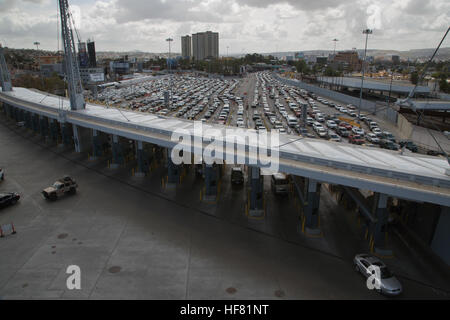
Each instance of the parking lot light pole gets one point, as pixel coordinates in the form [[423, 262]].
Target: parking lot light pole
[[366, 32], [170, 73]]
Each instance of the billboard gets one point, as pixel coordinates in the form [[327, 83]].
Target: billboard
[[96, 77], [299, 55]]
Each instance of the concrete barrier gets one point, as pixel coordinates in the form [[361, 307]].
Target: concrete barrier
[[421, 136]]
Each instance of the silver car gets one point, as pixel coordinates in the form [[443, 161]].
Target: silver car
[[389, 284]]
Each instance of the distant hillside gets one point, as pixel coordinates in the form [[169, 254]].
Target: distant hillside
[[443, 53]]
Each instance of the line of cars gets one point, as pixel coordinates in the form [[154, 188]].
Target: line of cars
[[65, 185], [185, 96], [334, 127]]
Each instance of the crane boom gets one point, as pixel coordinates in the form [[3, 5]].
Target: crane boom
[[72, 70], [5, 78]]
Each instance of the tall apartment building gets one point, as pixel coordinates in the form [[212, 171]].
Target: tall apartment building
[[91, 53], [186, 47], [349, 59], [205, 45]]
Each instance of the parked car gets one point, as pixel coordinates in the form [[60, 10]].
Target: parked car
[[377, 132], [372, 137], [388, 284], [342, 131], [358, 131], [8, 198], [331, 124], [435, 153], [387, 135], [346, 125], [302, 131], [332, 136], [388, 144], [279, 183], [65, 185], [322, 133], [355, 139], [237, 177], [409, 145]]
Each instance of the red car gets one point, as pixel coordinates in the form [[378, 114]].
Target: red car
[[355, 139], [346, 125]]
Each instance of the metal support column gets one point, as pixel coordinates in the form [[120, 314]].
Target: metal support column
[[28, 120], [380, 227], [96, 146], [173, 170], [65, 135], [142, 165], [312, 207], [53, 130], [43, 126], [256, 193], [21, 115], [76, 138], [15, 114], [211, 182], [35, 122], [117, 156]]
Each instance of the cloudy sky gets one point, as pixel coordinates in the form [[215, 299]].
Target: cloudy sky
[[243, 25]]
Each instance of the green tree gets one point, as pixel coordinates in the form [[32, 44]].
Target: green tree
[[302, 67], [414, 77]]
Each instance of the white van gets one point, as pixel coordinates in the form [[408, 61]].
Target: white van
[[279, 183], [292, 121]]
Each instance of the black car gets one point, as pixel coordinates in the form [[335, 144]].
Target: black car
[[409, 145], [8, 198], [388, 144], [237, 176], [435, 153]]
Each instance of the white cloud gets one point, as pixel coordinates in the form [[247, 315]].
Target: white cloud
[[244, 25]]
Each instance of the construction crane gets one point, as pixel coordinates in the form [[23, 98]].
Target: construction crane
[[408, 102], [5, 78], [72, 70]]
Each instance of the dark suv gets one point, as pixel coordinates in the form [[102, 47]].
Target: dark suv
[[409, 145], [237, 177], [8, 198], [388, 144]]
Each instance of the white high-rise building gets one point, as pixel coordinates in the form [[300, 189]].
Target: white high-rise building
[[205, 45], [186, 47]]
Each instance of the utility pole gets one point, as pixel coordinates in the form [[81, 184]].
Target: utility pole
[[72, 69], [37, 44], [366, 32], [169, 40], [227, 60]]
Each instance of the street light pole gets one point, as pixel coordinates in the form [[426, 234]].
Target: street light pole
[[335, 40], [170, 73], [366, 32]]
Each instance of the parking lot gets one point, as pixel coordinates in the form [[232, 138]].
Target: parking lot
[[258, 101]]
